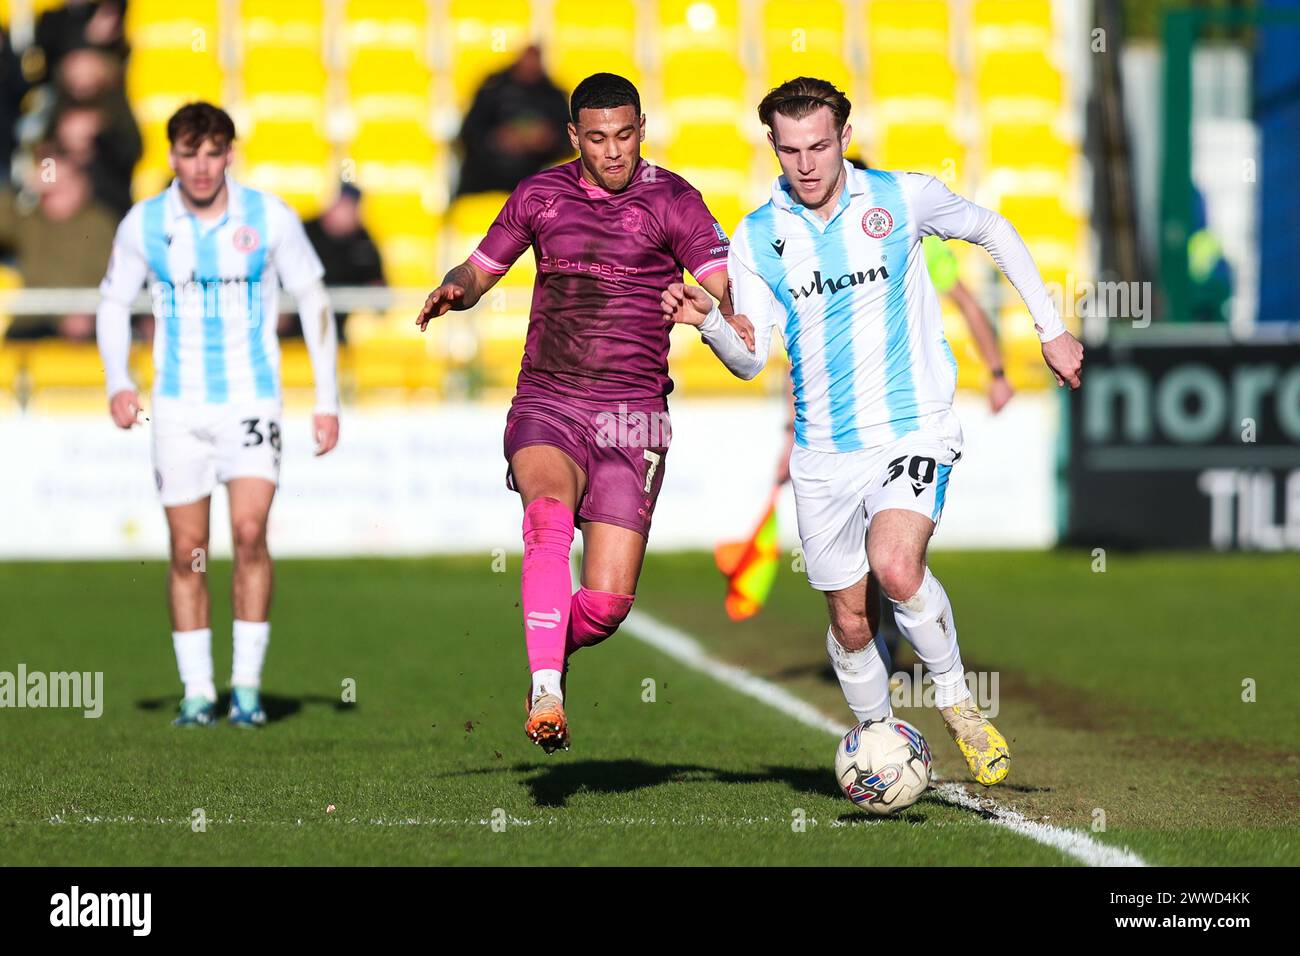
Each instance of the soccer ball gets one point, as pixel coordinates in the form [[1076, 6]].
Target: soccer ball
[[883, 766]]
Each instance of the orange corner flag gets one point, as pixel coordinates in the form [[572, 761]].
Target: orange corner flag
[[750, 567]]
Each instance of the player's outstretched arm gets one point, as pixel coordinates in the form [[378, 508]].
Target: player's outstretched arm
[[732, 338], [461, 289], [943, 213]]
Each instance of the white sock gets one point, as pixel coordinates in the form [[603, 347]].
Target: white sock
[[251, 638], [194, 661], [863, 678], [547, 681], [925, 620]]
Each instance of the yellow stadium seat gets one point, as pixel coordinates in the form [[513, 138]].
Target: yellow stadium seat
[[305, 186], [411, 260], [277, 70], [1050, 230], [12, 359], [286, 24], [815, 24], [173, 76], [484, 38], [712, 25], [717, 163], [912, 76], [1019, 87], [807, 39], [1039, 215], [396, 141], [785, 65], [591, 38], [471, 215], [398, 214], [1012, 25], [397, 26], [1027, 146], [295, 366], [56, 364], [706, 88], [922, 148], [155, 25], [394, 363], [907, 26]]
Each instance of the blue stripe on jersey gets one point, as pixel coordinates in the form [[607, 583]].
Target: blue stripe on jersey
[[255, 216], [207, 270], [155, 247], [900, 388], [833, 260], [940, 490], [770, 269]]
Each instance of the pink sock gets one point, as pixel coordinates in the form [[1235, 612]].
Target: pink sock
[[594, 616], [545, 584]]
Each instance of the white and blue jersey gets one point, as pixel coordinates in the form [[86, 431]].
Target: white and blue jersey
[[855, 305], [215, 290]]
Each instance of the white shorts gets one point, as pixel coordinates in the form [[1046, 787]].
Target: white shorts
[[197, 445], [837, 493]]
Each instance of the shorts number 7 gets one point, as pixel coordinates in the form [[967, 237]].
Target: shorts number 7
[[654, 459]]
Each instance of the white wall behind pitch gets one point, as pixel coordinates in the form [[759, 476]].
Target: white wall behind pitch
[[431, 480]]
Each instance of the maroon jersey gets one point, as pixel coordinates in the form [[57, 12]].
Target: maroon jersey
[[596, 329]]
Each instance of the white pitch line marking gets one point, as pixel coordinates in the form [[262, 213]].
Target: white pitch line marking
[[680, 646]]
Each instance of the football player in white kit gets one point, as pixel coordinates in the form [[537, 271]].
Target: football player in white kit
[[213, 253], [835, 261]]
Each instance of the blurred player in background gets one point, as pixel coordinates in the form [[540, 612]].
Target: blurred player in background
[[588, 429], [834, 258], [213, 253]]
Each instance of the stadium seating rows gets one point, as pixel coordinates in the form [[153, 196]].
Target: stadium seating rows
[[372, 91]]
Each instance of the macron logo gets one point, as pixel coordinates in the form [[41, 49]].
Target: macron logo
[[543, 619], [779, 246], [102, 909], [821, 285]]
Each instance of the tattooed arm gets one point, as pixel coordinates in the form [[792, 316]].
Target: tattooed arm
[[461, 289]]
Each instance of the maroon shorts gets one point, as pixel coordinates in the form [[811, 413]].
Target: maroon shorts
[[619, 446]]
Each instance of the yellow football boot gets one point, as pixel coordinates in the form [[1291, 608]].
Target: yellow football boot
[[980, 743]]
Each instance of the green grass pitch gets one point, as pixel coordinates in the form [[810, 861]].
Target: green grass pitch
[[1121, 693]]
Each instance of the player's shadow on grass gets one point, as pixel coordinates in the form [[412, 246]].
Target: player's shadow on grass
[[277, 708], [554, 784]]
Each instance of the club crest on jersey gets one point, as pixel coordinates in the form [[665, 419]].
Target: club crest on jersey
[[246, 239], [877, 222], [633, 219]]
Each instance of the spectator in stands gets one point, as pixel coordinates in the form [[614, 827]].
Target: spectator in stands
[[516, 126], [80, 24], [92, 121], [13, 87], [347, 252], [61, 241]]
